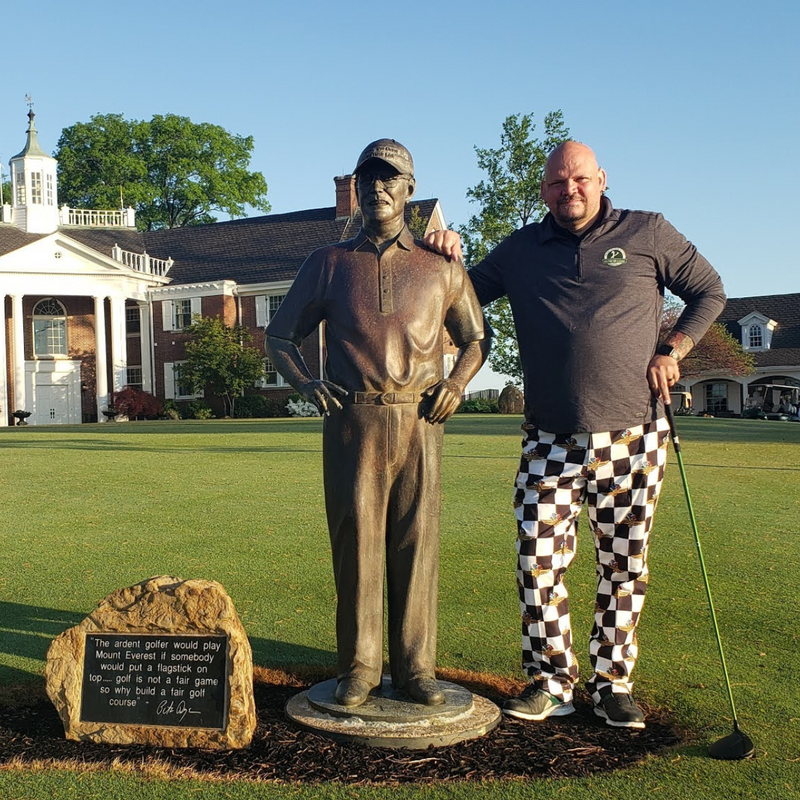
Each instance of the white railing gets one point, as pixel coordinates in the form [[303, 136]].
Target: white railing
[[93, 218], [142, 262]]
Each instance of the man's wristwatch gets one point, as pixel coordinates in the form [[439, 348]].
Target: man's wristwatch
[[668, 350]]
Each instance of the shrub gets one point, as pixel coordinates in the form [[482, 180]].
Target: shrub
[[136, 404], [300, 407], [187, 409], [479, 407], [199, 409], [256, 406], [171, 410]]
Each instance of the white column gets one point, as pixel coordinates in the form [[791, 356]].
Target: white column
[[5, 412], [119, 344], [101, 360], [146, 340], [19, 353]]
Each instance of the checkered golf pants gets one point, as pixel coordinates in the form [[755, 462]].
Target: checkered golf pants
[[618, 474]]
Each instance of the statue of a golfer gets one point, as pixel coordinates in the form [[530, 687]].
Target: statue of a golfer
[[385, 300]]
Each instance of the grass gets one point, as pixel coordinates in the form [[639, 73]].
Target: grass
[[89, 509]]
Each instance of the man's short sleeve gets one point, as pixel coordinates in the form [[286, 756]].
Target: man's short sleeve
[[464, 318], [302, 309]]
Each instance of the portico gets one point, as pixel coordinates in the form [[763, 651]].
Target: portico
[[63, 343]]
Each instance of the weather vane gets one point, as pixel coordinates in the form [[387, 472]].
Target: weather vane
[[29, 101]]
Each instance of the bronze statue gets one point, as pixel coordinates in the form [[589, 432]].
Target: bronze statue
[[385, 300]]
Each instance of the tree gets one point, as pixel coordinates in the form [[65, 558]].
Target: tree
[[718, 350], [509, 198], [417, 223], [173, 171], [220, 358], [136, 404]]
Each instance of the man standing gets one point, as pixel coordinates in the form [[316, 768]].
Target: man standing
[[586, 289], [385, 300]]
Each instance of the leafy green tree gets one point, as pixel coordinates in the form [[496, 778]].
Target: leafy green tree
[[219, 357], [173, 171], [509, 198], [417, 223]]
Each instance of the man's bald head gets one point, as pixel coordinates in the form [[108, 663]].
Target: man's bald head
[[573, 185]]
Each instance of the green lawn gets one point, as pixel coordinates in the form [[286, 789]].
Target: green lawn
[[89, 509]]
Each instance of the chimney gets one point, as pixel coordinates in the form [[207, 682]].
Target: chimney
[[346, 203]]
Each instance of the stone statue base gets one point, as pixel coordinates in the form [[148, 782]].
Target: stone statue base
[[389, 719]]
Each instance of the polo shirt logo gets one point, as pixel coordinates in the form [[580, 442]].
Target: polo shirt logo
[[615, 257]]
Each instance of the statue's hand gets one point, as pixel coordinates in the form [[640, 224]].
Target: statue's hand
[[446, 243], [445, 398], [323, 395]]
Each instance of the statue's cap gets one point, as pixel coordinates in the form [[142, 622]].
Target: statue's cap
[[390, 151]]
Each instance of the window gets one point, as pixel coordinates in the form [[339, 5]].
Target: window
[[49, 328], [272, 376], [133, 322], [716, 397], [756, 336], [36, 188], [133, 377], [275, 301], [183, 314], [20, 176], [183, 389], [49, 186], [266, 306], [177, 315]]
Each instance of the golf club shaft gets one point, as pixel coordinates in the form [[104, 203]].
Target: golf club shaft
[[677, 446]]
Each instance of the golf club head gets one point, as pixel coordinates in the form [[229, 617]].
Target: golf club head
[[735, 746]]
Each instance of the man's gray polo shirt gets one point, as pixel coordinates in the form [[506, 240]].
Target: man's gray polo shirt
[[587, 311]]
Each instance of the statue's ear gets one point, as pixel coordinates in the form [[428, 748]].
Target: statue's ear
[[412, 185]]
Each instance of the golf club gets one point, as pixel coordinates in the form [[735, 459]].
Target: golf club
[[736, 745]]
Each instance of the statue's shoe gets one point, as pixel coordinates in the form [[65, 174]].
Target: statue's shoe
[[352, 692], [425, 690]]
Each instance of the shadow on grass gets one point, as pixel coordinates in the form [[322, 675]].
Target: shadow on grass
[[26, 632], [111, 445]]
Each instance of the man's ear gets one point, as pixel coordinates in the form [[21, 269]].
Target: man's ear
[[412, 185]]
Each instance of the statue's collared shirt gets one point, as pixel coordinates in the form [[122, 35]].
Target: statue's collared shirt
[[384, 313]]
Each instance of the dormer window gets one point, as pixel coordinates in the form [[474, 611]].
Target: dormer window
[[757, 331]]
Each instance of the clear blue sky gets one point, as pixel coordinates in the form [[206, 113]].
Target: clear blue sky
[[692, 106]]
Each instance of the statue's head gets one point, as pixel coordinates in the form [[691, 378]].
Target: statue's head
[[384, 181]]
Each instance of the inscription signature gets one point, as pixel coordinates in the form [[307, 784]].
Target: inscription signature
[[169, 707]]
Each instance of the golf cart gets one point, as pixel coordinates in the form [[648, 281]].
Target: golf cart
[[773, 401], [681, 403]]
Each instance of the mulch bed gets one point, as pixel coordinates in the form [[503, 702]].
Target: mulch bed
[[578, 745]]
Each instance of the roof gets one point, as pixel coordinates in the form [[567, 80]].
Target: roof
[[253, 250], [12, 239], [32, 146], [785, 310]]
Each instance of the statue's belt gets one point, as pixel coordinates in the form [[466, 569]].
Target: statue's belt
[[385, 398]]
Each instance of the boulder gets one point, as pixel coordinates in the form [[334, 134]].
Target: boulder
[[163, 640]]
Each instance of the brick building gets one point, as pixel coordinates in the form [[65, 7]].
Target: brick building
[[768, 327], [88, 304]]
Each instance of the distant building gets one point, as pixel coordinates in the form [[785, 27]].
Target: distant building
[[768, 327], [91, 305]]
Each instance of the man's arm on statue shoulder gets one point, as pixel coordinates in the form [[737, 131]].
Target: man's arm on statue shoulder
[[446, 243]]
